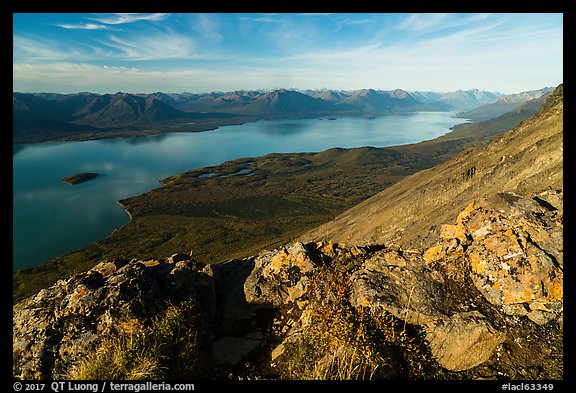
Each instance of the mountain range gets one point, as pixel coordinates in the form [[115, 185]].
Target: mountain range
[[51, 116], [457, 100], [504, 104]]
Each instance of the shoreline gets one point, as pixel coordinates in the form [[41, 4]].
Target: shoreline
[[202, 127], [132, 133], [127, 212], [417, 156]]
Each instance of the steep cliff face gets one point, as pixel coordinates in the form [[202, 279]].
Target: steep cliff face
[[455, 272]]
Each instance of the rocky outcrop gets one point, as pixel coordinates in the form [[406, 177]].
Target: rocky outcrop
[[492, 278], [280, 276], [506, 248], [514, 249], [58, 326], [500, 261]]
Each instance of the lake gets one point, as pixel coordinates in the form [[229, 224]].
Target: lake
[[51, 218]]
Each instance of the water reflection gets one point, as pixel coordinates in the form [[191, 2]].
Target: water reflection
[[138, 140], [17, 149], [51, 218], [284, 129]]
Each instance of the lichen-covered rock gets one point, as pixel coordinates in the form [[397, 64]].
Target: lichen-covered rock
[[410, 292], [490, 276], [58, 326], [463, 341], [514, 248], [279, 276], [409, 289], [507, 247]]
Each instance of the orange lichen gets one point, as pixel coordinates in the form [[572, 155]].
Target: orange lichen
[[434, 253], [508, 297], [280, 259], [464, 213], [527, 295], [555, 290], [80, 293], [477, 263], [453, 232]]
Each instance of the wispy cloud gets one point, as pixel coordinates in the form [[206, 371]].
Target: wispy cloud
[[354, 21], [422, 22], [65, 77], [160, 45], [117, 19], [362, 53], [34, 48], [155, 45], [261, 19], [425, 23], [341, 23], [208, 26], [83, 26], [468, 35]]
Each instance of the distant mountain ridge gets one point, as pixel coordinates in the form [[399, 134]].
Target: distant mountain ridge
[[504, 104], [459, 99], [92, 109], [126, 109], [290, 103], [47, 116]]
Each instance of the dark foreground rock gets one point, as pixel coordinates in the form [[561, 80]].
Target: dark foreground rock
[[58, 326]]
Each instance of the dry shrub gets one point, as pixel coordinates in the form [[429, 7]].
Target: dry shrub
[[346, 343], [166, 349]]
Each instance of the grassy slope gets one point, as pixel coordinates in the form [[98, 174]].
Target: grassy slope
[[527, 160]]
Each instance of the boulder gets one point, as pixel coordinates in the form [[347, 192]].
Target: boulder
[[463, 341], [280, 276], [515, 255], [408, 289], [57, 327]]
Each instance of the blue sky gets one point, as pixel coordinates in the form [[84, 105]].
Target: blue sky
[[106, 53]]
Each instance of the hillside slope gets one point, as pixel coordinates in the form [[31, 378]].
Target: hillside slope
[[527, 160]]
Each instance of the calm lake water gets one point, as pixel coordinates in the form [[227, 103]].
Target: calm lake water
[[52, 218]]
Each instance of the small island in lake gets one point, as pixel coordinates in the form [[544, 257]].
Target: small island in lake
[[79, 178]]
